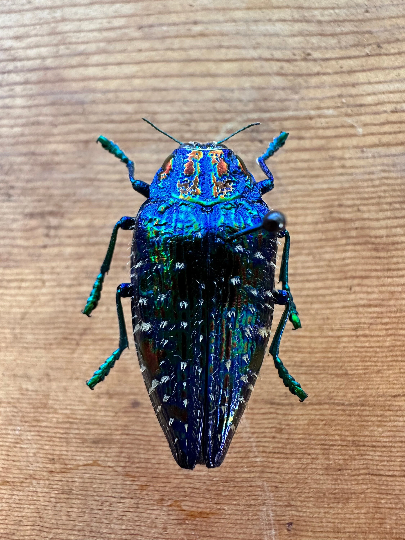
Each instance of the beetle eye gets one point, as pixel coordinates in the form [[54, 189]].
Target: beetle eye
[[242, 165], [166, 161], [166, 167]]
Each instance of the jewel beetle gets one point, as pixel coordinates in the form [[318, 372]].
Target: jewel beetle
[[202, 289]]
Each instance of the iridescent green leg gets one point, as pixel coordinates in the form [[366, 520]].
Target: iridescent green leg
[[266, 185], [123, 291], [293, 316], [290, 312], [124, 223], [139, 185]]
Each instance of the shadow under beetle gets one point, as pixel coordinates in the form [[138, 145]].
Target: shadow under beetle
[[202, 288]]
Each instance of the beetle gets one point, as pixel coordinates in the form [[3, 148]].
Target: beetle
[[202, 288]]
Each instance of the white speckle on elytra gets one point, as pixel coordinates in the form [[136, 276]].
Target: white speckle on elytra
[[183, 324], [154, 384], [183, 365], [263, 332], [185, 401], [146, 326], [142, 301], [244, 378], [248, 331], [186, 427], [143, 367], [180, 266], [269, 293], [228, 364], [241, 400], [158, 408], [258, 255], [163, 324], [201, 337], [166, 398], [235, 280], [165, 378], [183, 304], [171, 420], [238, 248], [250, 387]]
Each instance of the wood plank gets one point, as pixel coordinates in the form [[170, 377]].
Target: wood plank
[[76, 464]]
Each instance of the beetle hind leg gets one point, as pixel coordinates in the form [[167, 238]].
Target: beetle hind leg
[[289, 381], [284, 297], [123, 291]]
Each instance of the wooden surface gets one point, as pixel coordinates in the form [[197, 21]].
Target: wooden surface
[[78, 465]]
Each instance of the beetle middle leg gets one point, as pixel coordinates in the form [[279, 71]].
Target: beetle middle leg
[[284, 297], [123, 291], [126, 223]]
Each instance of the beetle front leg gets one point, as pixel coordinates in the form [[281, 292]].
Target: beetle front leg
[[267, 185], [123, 291], [139, 185], [126, 223]]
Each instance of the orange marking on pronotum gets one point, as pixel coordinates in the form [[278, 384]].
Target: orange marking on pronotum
[[222, 167]]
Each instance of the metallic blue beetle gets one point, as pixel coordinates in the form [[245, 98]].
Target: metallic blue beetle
[[202, 288]]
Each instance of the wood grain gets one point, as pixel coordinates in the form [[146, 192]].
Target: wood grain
[[76, 464]]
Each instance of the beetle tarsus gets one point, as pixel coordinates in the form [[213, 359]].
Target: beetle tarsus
[[104, 369], [94, 297]]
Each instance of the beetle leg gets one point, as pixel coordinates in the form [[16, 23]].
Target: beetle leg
[[123, 291], [124, 223], [267, 185], [139, 185], [289, 381], [284, 297], [293, 315]]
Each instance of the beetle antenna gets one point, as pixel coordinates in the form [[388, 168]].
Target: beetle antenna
[[164, 132], [239, 130]]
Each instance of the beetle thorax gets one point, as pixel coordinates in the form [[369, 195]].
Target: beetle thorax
[[204, 173]]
